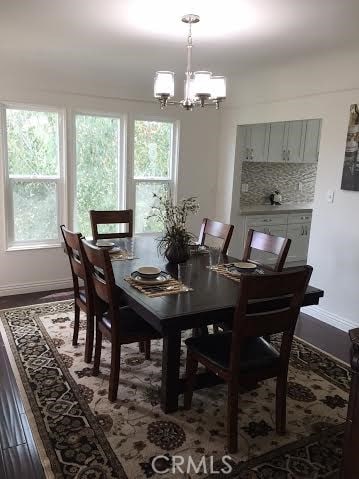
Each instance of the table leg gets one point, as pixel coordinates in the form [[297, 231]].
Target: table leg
[[170, 371]]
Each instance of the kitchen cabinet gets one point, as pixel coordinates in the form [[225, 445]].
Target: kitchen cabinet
[[299, 234], [280, 142], [295, 226], [311, 142], [294, 141], [276, 151], [253, 141], [286, 142]]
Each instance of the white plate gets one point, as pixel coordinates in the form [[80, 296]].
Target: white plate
[[162, 278], [102, 243], [245, 265]]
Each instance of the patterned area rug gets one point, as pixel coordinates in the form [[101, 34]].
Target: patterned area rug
[[86, 436]]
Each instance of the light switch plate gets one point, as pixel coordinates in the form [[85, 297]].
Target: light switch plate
[[330, 196]]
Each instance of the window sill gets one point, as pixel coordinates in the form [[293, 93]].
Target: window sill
[[30, 247]]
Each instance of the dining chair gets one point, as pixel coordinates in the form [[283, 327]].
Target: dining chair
[[218, 230], [120, 325], [119, 217], [268, 243], [83, 298], [243, 356]]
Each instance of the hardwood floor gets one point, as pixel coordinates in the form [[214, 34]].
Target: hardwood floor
[[18, 455]]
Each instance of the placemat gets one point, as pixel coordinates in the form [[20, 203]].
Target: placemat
[[121, 255], [222, 269], [173, 286]]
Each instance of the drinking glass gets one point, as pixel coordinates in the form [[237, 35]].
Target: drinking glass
[[130, 247], [184, 273], [215, 256]]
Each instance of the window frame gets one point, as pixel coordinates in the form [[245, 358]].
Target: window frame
[[10, 244], [172, 179], [122, 160]]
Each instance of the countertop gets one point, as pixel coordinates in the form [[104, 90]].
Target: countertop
[[273, 209]]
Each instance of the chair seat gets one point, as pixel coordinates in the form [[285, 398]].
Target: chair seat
[[255, 353], [132, 327]]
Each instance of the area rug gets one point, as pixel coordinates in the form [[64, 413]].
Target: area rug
[[85, 436]]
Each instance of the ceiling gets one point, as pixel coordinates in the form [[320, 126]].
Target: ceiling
[[117, 45]]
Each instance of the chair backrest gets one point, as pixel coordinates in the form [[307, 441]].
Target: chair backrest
[[218, 230], [283, 294], [73, 247], [268, 243], [108, 218], [99, 267]]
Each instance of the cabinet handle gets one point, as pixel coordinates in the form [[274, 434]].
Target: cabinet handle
[[302, 231], [284, 158], [288, 155], [251, 153]]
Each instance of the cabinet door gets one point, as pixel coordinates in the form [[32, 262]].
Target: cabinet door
[[311, 142], [299, 234], [277, 147], [295, 141], [243, 142], [259, 142]]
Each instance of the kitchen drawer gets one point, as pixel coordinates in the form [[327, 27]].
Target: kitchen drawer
[[265, 220], [295, 218]]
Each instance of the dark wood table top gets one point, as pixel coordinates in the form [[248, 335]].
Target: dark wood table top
[[212, 300]]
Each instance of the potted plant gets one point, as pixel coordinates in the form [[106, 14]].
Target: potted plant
[[175, 242]]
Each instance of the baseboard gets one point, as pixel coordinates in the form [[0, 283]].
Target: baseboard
[[330, 318], [12, 289]]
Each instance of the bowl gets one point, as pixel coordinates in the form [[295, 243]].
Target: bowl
[[149, 272]]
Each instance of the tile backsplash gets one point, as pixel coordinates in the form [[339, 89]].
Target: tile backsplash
[[263, 178]]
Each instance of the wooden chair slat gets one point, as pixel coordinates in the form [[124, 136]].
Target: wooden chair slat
[[217, 230]]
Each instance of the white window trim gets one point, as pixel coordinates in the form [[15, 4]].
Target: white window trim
[[72, 159], [172, 180], [7, 243]]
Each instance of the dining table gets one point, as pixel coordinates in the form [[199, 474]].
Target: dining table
[[212, 299]]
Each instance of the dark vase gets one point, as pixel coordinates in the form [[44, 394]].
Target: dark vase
[[177, 253]]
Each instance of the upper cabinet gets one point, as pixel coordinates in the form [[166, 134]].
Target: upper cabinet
[[254, 140], [281, 142], [311, 143]]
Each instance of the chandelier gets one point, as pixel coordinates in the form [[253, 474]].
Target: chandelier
[[201, 88]]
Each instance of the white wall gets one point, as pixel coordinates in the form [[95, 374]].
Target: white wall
[[37, 270], [319, 88]]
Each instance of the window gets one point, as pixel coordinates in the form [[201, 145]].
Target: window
[[33, 176], [98, 168], [153, 169]]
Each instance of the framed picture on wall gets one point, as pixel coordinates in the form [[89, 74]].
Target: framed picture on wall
[[350, 178]]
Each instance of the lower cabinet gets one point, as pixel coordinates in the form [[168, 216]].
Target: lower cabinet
[[293, 225]]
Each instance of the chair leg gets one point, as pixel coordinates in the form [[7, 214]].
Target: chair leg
[[232, 417], [191, 370], [90, 330], [147, 345], [115, 371], [76, 325], [141, 346], [281, 404], [97, 359]]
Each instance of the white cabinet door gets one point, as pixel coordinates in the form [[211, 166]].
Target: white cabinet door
[[244, 142], [294, 141], [311, 142], [299, 234], [277, 147], [259, 142]]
